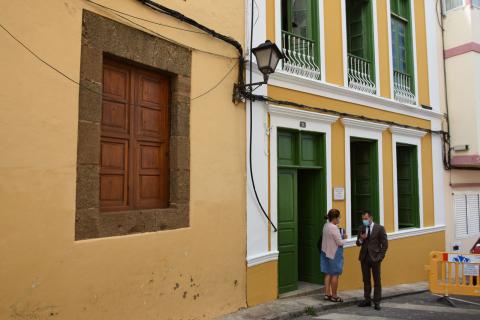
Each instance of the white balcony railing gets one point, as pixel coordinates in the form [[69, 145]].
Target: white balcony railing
[[359, 75], [402, 88], [299, 56]]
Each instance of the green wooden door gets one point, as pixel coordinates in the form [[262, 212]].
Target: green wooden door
[[310, 224], [407, 187], [364, 180], [301, 206], [287, 230]]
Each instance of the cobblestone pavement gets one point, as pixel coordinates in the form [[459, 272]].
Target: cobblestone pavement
[[421, 306]]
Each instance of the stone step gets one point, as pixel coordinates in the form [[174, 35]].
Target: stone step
[[304, 289]]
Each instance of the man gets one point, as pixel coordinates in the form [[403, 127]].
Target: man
[[374, 244]]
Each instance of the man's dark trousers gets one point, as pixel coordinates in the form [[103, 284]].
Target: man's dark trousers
[[370, 268], [372, 252]]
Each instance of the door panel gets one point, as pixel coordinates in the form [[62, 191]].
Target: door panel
[[310, 224], [407, 187], [364, 180], [287, 230]]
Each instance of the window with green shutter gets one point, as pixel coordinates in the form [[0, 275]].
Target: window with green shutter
[[402, 51], [360, 43], [300, 37], [364, 180], [407, 187]]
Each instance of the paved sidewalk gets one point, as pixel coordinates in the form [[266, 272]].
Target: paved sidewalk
[[290, 308]]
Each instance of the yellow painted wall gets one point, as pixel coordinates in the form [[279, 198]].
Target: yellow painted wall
[[262, 283], [404, 262], [333, 42], [421, 43], [338, 164], [270, 16], [427, 177], [43, 270], [388, 207], [383, 48], [342, 106]]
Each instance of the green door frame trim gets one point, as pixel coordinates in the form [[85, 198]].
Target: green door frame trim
[[301, 175], [413, 138]]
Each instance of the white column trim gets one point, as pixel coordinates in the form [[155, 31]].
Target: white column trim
[[262, 258], [377, 50], [361, 124], [399, 135], [404, 234], [344, 43], [278, 27], [414, 46], [321, 21], [407, 132], [290, 118], [390, 53], [368, 130]]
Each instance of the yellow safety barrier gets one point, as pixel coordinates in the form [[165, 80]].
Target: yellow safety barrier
[[454, 274]]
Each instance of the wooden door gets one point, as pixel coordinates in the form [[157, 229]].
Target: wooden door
[[134, 166], [310, 224], [287, 230]]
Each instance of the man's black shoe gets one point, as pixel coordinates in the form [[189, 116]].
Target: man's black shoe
[[365, 304], [377, 306]]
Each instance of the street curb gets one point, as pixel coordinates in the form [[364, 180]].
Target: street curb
[[291, 308], [347, 303]]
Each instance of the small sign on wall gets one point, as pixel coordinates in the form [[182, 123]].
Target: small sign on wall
[[338, 193]]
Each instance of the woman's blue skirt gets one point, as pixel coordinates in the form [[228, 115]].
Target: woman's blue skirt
[[333, 266]]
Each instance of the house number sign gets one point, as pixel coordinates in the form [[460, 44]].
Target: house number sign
[[303, 124]]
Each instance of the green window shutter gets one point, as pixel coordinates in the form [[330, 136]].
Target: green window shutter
[[402, 39], [407, 187], [300, 17], [364, 180], [360, 38]]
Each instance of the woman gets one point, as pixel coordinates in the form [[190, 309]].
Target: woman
[[331, 256]]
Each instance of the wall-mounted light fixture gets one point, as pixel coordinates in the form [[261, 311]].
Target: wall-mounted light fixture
[[462, 147], [268, 56]]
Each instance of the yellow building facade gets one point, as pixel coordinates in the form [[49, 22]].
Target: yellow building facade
[[352, 123], [95, 227]]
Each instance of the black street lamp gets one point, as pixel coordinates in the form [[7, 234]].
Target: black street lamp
[[268, 56]]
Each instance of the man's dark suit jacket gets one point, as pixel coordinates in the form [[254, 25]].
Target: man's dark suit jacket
[[375, 246]]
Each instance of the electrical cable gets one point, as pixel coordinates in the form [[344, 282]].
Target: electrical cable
[[217, 84], [268, 99], [38, 57], [64, 75], [251, 124], [190, 21], [146, 20], [169, 39]]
